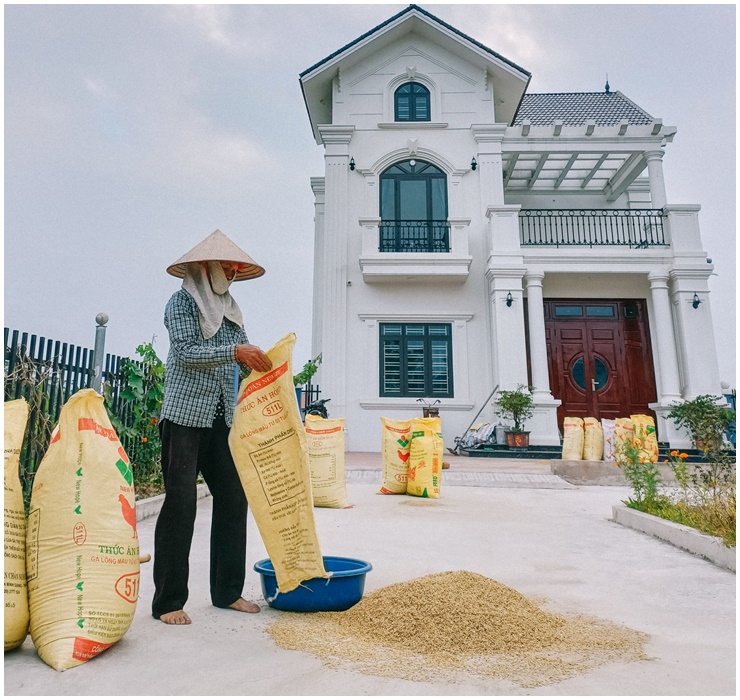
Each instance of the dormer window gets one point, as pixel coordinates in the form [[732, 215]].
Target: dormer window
[[412, 103]]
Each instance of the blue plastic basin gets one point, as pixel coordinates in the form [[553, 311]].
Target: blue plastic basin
[[340, 592]]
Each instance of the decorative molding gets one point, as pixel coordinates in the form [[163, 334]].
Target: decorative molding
[[401, 268], [406, 53], [488, 133], [390, 404], [369, 221], [425, 317], [336, 133], [413, 125], [388, 159]]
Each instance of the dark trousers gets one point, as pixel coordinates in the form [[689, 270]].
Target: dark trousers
[[185, 452]]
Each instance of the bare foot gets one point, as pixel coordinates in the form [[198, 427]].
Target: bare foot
[[245, 606], [176, 617]]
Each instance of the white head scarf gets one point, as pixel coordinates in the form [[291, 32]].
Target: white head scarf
[[212, 297]]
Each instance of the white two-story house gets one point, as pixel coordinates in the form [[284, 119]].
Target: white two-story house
[[469, 235]]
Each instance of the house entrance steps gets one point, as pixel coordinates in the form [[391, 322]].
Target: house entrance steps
[[366, 468]]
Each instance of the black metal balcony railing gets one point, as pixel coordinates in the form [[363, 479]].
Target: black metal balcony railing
[[636, 228], [414, 237]]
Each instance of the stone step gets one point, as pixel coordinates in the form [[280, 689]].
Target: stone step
[[555, 452]]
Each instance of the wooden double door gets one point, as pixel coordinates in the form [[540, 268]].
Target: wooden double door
[[600, 358]]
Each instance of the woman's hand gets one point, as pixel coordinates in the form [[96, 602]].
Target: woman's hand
[[251, 356]]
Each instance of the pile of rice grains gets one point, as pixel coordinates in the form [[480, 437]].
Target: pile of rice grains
[[446, 627]]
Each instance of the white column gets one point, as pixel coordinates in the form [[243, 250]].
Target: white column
[[333, 291], [670, 381], [695, 332], [509, 349], [657, 183], [319, 192], [537, 337], [490, 162]]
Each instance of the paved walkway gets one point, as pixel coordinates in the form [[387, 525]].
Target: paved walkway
[[459, 463], [365, 468], [557, 544]]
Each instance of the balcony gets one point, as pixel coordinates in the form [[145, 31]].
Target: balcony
[[633, 228], [414, 237], [412, 252]]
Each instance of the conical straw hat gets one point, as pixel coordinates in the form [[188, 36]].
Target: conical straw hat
[[220, 248]]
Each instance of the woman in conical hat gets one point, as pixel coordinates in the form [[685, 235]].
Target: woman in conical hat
[[207, 338]]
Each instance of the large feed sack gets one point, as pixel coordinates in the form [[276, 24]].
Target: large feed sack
[[573, 437], [268, 444], [396, 443], [607, 427], [82, 546], [16, 588], [623, 432], [644, 430], [593, 440], [425, 460], [325, 438]]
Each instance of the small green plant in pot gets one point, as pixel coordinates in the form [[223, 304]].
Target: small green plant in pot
[[518, 406], [309, 369], [304, 377], [706, 418]]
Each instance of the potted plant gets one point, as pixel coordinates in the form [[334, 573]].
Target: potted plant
[[517, 406], [304, 376], [706, 418]]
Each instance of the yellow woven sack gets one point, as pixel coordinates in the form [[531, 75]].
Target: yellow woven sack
[[425, 461], [396, 441], [593, 439], [644, 430], [573, 438], [82, 547], [623, 431], [16, 588], [325, 437], [268, 444]]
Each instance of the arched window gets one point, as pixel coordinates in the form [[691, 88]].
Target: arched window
[[412, 103], [413, 209]]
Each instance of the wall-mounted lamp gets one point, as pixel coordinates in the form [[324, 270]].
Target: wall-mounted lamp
[[509, 299], [473, 164], [351, 163], [696, 301]]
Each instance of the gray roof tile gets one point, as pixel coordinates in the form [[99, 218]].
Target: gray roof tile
[[574, 108]]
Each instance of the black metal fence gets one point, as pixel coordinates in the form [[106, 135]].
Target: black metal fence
[[635, 228], [46, 373], [414, 237]]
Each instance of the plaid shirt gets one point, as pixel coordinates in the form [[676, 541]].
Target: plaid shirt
[[198, 372]]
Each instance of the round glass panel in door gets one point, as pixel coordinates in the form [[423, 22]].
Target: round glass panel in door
[[601, 374]]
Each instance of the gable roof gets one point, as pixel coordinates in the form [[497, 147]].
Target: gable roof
[[509, 80], [575, 108], [401, 14]]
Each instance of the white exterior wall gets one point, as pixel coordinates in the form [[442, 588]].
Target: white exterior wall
[[357, 288]]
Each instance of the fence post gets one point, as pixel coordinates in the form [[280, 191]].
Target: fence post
[[99, 354]]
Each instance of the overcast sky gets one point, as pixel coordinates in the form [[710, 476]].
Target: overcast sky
[[133, 131]]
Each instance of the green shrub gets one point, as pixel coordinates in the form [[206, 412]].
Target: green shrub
[[139, 430]]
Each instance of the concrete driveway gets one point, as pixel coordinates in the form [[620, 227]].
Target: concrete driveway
[[552, 541]]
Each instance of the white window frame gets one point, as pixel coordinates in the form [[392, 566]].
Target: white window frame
[[370, 388]]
